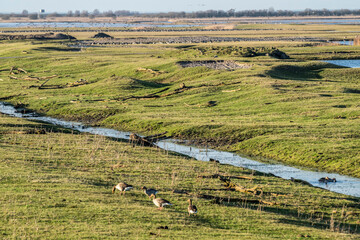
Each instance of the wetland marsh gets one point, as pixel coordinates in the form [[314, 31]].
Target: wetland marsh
[[269, 99]]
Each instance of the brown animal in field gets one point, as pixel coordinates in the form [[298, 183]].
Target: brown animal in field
[[327, 179], [122, 187], [192, 209], [159, 202]]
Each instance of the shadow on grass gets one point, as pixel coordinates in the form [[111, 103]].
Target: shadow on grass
[[46, 127], [301, 73], [300, 219], [185, 46], [58, 49], [148, 84], [351, 90]]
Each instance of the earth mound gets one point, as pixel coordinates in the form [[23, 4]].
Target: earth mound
[[63, 36], [102, 35]]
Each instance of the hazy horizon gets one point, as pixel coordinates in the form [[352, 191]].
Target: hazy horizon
[[143, 6]]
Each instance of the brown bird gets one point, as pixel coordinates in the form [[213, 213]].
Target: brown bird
[[149, 191], [122, 187], [327, 179], [159, 202], [192, 209]]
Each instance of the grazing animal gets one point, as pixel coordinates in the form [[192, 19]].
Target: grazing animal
[[159, 202], [327, 179], [122, 187], [192, 209], [149, 191]]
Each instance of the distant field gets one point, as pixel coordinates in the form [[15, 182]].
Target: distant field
[[325, 32]]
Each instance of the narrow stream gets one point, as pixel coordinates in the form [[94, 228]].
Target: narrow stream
[[345, 184]]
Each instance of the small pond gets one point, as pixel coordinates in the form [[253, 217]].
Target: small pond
[[345, 42], [353, 63]]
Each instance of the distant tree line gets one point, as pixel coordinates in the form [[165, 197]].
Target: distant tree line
[[198, 14]]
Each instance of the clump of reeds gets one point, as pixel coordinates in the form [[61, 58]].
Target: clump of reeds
[[357, 41]]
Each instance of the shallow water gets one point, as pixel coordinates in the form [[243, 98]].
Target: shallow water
[[345, 42], [313, 21], [169, 24], [345, 184], [88, 25], [355, 63]]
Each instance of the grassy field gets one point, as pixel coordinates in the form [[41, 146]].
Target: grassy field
[[321, 31], [299, 110], [56, 184]]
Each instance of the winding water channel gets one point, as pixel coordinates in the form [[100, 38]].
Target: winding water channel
[[345, 184]]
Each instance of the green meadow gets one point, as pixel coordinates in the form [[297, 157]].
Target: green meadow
[[56, 184]]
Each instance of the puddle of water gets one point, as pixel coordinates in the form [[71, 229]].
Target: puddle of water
[[345, 42], [355, 63], [345, 184]]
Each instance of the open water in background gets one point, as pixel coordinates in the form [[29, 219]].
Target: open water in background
[[172, 25], [353, 63]]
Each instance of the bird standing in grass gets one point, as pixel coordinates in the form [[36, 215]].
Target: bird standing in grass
[[122, 187], [149, 191], [192, 209], [159, 202]]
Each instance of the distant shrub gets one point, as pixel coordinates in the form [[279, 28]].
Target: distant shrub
[[33, 16], [5, 17], [357, 41]]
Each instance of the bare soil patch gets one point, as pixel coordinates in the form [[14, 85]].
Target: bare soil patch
[[215, 64]]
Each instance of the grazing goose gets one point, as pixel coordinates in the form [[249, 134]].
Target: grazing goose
[[159, 202], [149, 191], [122, 187], [192, 208]]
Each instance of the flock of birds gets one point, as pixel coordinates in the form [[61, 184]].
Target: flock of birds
[[151, 193]]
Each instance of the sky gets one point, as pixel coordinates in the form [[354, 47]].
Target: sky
[[63, 6]]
